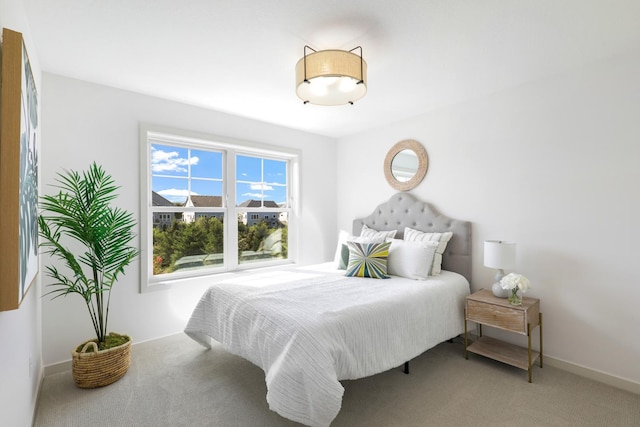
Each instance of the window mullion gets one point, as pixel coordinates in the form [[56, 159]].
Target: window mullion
[[231, 228]]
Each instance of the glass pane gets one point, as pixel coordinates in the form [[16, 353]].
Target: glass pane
[[206, 164], [201, 187], [278, 195], [255, 184], [248, 195], [275, 172], [405, 165], [164, 220], [169, 191], [192, 241], [168, 160], [248, 169], [262, 236]]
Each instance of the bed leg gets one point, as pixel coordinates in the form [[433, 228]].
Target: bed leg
[[406, 368]]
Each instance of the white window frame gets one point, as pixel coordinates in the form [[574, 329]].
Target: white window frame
[[230, 147]]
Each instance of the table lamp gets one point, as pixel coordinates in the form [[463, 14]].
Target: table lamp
[[500, 255]]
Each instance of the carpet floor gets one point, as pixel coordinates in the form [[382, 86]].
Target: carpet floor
[[175, 382]]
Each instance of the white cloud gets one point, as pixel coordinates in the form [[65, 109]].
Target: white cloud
[[170, 161], [261, 186], [257, 187]]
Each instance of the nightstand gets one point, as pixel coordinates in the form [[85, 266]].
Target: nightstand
[[484, 308]]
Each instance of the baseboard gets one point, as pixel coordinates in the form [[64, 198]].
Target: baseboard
[[57, 368], [592, 374], [37, 402], [66, 365], [583, 371]]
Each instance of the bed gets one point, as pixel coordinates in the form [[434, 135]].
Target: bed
[[310, 327]]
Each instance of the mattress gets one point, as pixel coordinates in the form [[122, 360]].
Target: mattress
[[310, 327]]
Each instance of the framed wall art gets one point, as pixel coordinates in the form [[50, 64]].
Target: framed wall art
[[18, 172]]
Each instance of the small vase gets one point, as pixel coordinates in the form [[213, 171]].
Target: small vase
[[498, 291], [514, 297]]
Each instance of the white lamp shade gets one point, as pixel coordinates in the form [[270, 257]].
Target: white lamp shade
[[499, 254]]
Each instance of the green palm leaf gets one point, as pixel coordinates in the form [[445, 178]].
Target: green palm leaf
[[81, 211]]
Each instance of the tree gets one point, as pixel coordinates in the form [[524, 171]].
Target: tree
[[205, 236]]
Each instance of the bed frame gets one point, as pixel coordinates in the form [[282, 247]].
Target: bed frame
[[244, 339], [403, 210]]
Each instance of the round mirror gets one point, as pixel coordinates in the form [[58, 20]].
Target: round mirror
[[406, 165]]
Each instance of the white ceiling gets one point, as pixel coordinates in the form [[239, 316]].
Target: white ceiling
[[238, 56]]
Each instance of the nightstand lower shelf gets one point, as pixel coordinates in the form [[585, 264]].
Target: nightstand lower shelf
[[503, 352], [485, 309]]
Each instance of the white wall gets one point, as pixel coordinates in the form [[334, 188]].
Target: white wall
[[20, 348], [83, 122], [550, 165], [553, 166]]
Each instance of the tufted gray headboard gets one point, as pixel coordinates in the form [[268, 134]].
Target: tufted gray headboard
[[403, 210]]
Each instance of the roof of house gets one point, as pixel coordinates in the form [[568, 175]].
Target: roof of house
[[158, 200], [207, 201], [256, 204]]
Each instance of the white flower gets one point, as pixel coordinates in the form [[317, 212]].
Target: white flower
[[515, 280]]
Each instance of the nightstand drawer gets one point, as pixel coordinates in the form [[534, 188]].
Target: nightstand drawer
[[497, 316]]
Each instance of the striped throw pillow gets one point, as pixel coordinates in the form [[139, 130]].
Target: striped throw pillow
[[412, 235]]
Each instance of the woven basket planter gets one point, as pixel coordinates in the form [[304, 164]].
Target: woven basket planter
[[99, 368]]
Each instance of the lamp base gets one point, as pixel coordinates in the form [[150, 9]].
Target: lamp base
[[498, 291]]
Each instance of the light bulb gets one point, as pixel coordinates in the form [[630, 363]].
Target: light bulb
[[347, 84], [317, 87]]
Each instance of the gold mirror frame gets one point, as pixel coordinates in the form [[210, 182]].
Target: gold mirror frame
[[423, 164]]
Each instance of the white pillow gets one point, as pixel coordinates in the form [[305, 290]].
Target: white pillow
[[375, 234], [412, 260], [343, 238], [412, 235]]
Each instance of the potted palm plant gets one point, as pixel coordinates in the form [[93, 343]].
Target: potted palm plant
[[80, 217]]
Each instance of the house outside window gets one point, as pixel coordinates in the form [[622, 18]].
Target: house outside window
[[189, 228]]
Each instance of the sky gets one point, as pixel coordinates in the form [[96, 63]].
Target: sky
[[256, 178]]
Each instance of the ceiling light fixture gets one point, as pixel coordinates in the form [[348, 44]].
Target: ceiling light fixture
[[331, 77]]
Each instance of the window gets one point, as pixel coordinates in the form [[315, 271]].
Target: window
[[188, 226]]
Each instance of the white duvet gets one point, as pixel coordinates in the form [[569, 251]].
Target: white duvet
[[309, 329]]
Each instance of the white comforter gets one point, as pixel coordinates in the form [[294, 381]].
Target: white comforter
[[308, 330]]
